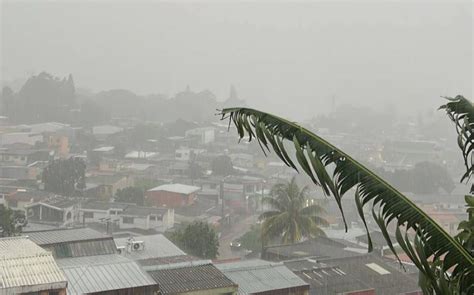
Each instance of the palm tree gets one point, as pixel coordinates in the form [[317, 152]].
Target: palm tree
[[293, 215], [452, 270]]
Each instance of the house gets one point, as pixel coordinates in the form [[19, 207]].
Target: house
[[320, 248], [57, 210], [192, 277], [20, 137], [140, 155], [362, 274], [172, 195], [160, 219], [127, 216], [317, 259], [103, 132], [187, 154], [91, 263], [378, 241], [263, 277], [20, 198], [26, 268], [22, 157], [73, 242], [106, 274], [108, 185], [327, 279], [149, 247], [203, 135], [18, 172]]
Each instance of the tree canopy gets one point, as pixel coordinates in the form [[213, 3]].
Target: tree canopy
[[11, 222], [222, 165], [423, 178], [65, 177], [131, 194], [293, 215], [198, 239]]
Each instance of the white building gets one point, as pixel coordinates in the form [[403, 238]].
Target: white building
[[203, 135], [128, 216]]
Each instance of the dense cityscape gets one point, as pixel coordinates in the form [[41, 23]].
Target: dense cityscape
[[111, 191]]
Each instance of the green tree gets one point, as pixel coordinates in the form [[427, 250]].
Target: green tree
[[194, 171], [293, 215], [423, 178], [198, 239], [11, 222], [452, 269], [252, 239], [222, 165], [131, 194], [65, 177]]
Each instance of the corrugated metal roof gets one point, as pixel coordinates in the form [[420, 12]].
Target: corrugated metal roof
[[192, 278], [103, 273], [49, 237], [26, 267], [176, 188], [156, 246], [83, 248], [255, 276]]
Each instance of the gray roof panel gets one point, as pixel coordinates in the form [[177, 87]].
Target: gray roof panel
[[49, 237], [192, 278], [103, 273]]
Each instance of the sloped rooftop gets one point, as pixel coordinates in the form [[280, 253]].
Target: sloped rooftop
[[26, 267], [191, 278], [176, 188], [103, 273], [254, 276]]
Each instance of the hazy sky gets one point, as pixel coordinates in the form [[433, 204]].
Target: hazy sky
[[286, 57]]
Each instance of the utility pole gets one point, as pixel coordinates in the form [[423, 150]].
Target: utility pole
[[221, 196]]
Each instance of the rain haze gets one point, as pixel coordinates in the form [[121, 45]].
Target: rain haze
[[236, 147], [276, 54]]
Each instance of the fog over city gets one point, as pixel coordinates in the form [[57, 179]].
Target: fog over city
[[279, 55], [236, 147]]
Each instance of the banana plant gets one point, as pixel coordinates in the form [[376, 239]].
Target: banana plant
[[337, 173], [461, 112]]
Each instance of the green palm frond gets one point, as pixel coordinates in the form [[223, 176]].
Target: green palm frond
[[461, 112], [337, 173]]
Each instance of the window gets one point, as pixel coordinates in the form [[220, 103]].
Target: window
[[88, 214], [127, 220], [156, 217]]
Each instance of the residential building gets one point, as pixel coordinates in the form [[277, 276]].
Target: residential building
[[106, 274], [264, 278], [74, 242], [20, 198], [108, 185], [149, 247], [20, 137], [26, 268], [103, 132], [57, 210], [127, 216], [192, 278], [172, 195], [362, 274], [91, 263], [203, 135], [358, 271]]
